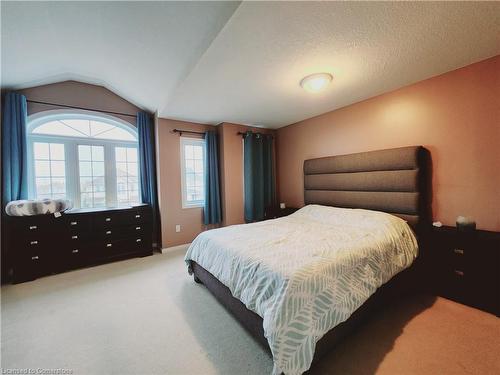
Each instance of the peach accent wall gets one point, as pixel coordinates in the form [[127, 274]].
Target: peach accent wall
[[78, 94], [455, 115]]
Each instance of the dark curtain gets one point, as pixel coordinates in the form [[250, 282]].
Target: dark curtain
[[147, 161], [258, 174], [14, 162], [212, 209], [14, 154]]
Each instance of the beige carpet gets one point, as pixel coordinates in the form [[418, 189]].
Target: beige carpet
[[146, 316]]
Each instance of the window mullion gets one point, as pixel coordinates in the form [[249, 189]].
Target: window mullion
[[72, 173], [110, 173]]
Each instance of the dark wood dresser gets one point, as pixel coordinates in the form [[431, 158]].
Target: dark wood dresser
[[45, 244], [465, 267]]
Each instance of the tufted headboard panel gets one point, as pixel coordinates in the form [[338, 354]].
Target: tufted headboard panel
[[393, 181]]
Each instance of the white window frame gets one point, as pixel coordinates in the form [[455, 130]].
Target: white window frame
[[185, 141], [71, 152]]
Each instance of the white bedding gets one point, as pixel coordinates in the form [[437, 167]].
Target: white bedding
[[307, 272]]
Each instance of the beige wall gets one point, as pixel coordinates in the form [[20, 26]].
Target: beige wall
[[169, 179], [78, 94], [455, 115], [169, 184]]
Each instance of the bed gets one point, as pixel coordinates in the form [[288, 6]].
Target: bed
[[301, 283]]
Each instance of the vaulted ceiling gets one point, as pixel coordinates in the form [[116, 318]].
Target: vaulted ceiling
[[242, 62]]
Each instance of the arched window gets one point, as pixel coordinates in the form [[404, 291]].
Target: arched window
[[86, 157]]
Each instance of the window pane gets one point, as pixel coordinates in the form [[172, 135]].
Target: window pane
[[57, 169], [121, 183], [122, 195], [121, 169], [97, 127], [86, 200], [120, 154], [189, 152], [97, 153], [189, 166], [132, 186], [57, 128], [84, 153], [198, 152], [85, 168], [99, 184], [58, 185], [41, 150], [42, 168], [134, 196], [86, 184], [199, 179], [50, 179], [42, 186], [189, 179], [80, 126], [98, 168], [56, 151], [118, 134], [198, 166], [132, 169], [99, 199], [131, 154]]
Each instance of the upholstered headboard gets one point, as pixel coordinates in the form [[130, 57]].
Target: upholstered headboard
[[393, 181]]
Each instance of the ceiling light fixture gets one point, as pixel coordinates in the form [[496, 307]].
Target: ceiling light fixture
[[316, 82]]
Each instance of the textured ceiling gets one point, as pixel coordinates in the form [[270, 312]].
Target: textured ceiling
[[223, 61]]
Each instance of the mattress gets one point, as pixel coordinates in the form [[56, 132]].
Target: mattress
[[307, 272]]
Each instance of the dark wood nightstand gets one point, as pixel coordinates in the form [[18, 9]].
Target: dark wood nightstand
[[465, 267], [275, 212]]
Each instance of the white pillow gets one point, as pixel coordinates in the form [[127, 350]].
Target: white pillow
[[37, 207]]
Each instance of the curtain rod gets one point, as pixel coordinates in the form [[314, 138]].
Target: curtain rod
[[83, 108], [187, 131], [243, 134]]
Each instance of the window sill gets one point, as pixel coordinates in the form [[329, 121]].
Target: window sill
[[97, 209], [188, 206]]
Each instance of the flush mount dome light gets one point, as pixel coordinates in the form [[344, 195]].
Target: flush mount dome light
[[316, 82]]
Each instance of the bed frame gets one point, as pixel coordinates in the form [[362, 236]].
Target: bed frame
[[394, 181]]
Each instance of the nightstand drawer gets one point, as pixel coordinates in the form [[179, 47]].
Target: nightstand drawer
[[466, 266]]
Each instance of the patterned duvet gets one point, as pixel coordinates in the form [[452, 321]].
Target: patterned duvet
[[307, 272]]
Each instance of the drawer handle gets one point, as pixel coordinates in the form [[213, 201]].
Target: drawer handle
[[137, 216], [73, 223], [137, 228], [108, 232], [74, 237], [109, 244], [33, 227], [108, 219], [459, 273], [34, 257], [34, 243], [458, 251], [138, 240], [74, 251]]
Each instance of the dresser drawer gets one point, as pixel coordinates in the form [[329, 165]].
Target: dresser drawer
[[122, 232], [34, 226], [73, 237], [123, 246], [77, 223], [29, 266], [74, 256]]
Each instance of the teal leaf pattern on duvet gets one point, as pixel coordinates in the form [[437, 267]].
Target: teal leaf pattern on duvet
[[306, 273]]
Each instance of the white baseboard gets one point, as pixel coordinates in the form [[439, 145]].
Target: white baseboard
[[174, 248]]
